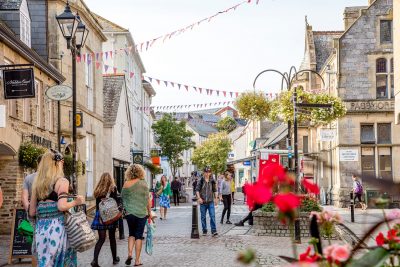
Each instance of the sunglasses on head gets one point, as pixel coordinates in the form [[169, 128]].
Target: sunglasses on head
[[57, 156]]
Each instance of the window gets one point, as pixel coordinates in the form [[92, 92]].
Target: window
[[384, 133], [50, 114], [89, 165], [367, 134], [305, 144], [385, 163], [27, 110], [392, 78], [12, 104], [39, 104], [368, 161], [89, 81], [25, 30], [386, 31], [381, 78]]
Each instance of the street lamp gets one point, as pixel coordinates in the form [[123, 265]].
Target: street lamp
[[288, 80], [75, 32]]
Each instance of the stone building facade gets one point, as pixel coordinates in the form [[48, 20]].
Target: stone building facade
[[358, 68], [396, 51], [90, 139], [29, 119]]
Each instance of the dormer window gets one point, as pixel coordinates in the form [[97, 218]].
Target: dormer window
[[25, 33]]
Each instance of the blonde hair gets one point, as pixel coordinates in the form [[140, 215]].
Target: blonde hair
[[134, 171], [49, 171], [104, 186]]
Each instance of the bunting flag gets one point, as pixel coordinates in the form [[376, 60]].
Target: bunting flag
[[177, 107]]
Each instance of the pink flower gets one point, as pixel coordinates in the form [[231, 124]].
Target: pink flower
[[341, 253], [310, 187], [393, 214]]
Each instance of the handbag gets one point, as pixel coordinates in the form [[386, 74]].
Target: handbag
[[109, 210], [79, 233]]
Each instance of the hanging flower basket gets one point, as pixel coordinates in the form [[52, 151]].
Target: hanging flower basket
[[28, 155], [253, 106]]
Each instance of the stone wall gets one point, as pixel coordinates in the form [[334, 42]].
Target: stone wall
[[267, 224]]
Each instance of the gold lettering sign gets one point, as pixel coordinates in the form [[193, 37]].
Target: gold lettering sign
[[370, 106]]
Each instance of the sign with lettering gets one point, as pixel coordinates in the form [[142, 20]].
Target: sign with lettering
[[137, 157], [19, 83], [41, 141], [326, 135], [2, 116], [59, 92], [19, 245], [370, 106], [348, 155]]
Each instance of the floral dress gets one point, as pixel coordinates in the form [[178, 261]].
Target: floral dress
[[164, 197], [52, 249]]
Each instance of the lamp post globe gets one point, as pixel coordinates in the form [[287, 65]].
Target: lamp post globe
[[68, 23], [81, 34]]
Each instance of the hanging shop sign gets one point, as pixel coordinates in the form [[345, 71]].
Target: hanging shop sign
[[137, 157], [79, 119], [59, 92], [19, 83], [348, 155]]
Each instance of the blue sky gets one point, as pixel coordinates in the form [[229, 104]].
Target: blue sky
[[228, 52]]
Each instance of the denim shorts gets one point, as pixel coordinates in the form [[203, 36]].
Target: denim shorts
[[136, 226]]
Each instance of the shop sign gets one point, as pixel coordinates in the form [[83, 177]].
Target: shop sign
[[327, 135], [2, 116], [19, 83], [247, 163], [370, 106], [79, 120], [231, 155], [348, 154], [41, 141], [137, 157], [59, 92]]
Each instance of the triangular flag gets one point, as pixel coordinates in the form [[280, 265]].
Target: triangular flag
[[237, 94], [187, 88], [166, 83], [84, 57], [224, 93], [97, 56], [115, 70], [207, 91], [98, 65], [217, 93], [195, 88], [179, 86], [200, 90], [106, 55], [106, 68], [150, 79], [131, 75], [211, 91], [111, 54], [158, 81], [78, 59], [173, 84], [141, 47], [231, 94], [147, 45]]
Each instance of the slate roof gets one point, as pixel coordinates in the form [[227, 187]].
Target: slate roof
[[203, 129], [323, 42], [10, 4], [276, 135], [112, 88]]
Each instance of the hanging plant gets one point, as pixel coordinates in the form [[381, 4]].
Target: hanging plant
[[253, 106], [28, 154], [154, 169], [68, 165]]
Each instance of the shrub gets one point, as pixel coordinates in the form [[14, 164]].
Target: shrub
[[269, 207], [309, 204], [28, 155], [253, 106]]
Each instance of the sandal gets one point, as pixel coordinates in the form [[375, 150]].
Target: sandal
[[128, 261], [140, 264]]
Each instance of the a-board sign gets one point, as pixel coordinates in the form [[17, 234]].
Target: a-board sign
[[19, 245]]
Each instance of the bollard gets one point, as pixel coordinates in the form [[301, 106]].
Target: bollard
[[297, 231], [195, 220], [352, 206]]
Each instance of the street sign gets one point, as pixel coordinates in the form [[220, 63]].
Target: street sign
[[247, 163], [79, 119], [59, 92]]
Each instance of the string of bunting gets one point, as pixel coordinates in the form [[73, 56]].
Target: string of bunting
[[144, 46], [187, 106]]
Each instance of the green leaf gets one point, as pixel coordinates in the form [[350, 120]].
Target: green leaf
[[374, 258]]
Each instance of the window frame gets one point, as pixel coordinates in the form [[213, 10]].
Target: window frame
[[89, 82], [371, 158], [373, 131], [390, 32], [89, 165], [39, 103], [380, 141], [12, 103]]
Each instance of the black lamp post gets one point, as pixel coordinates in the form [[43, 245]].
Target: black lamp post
[[75, 32], [288, 80]]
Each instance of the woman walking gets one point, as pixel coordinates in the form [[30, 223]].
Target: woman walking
[[135, 197], [48, 204], [105, 188], [165, 193], [226, 197]]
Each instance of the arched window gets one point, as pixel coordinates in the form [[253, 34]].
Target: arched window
[[381, 78]]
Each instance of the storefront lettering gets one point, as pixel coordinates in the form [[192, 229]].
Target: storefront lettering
[[370, 106], [41, 141]]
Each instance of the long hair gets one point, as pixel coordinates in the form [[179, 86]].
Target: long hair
[[104, 186], [49, 171], [164, 180], [134, 171]]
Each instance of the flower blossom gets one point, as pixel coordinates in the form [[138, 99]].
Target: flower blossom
[[274, 174], [287, 202], [306, 257], [392, 237], [337, 253], [310, 187], [257, 194]]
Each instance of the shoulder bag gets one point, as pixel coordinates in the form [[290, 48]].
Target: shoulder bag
[[109, 210], [79, 233]]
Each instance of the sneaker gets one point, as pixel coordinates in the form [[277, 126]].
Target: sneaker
[[204, 233], [214, 234], [239, 223], [228, 222], [116, 260]]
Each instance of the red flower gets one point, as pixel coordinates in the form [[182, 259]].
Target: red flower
[[306, 257], [272, 174], [380, 239], [257, 194], [311, 187], [287, 202], [392, 235]]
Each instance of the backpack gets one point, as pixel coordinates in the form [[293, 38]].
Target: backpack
[[359, 188]]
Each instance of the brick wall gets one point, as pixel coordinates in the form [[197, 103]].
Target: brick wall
[[267, 224], [11, 179]]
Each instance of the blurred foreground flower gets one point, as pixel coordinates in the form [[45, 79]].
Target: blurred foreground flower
[[310, 187], [337, 253], [247, 256]]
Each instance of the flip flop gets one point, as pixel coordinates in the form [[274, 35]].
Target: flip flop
[[140, 264]]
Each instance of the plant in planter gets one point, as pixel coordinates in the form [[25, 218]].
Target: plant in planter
[[28, 155], [253, 106], [153, 168], [68, 165]]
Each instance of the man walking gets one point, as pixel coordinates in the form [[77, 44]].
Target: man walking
[[176, 188], [207, 196]]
